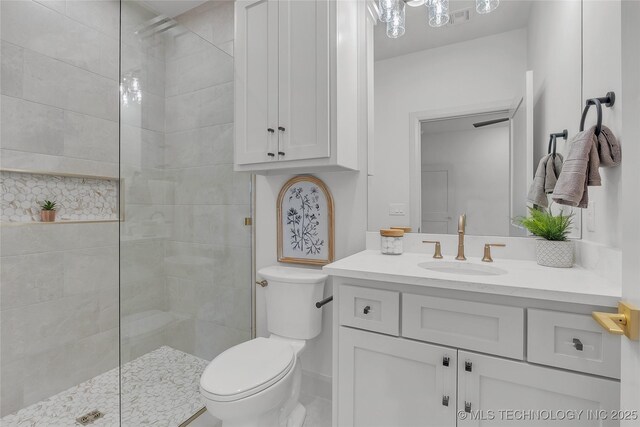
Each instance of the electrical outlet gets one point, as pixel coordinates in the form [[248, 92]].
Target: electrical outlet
[[591, 216], [397, 209]]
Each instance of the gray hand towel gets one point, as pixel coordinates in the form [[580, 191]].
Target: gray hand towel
[[553, 169], [580, 170], [609, 148], [545, 180]]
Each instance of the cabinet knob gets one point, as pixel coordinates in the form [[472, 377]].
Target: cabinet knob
[[367, 309], [445, 400], [467, 407], [468, 366], [271, 155], [280, 153], [270, 130], [577, 344], [281, 129], [445, 361]]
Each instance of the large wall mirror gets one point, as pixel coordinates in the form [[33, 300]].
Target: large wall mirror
[[464, 112]]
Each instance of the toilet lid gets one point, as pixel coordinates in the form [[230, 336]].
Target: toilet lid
[[246, 369]]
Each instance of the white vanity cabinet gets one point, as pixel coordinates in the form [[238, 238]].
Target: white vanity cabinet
[[498, 391], [403, 358], [386, 381], [290, 80]]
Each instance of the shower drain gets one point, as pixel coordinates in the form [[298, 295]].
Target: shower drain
[[89, 418]]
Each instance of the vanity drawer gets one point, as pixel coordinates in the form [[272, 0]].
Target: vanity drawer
[[370, 309], [572, 341], [488, 328]]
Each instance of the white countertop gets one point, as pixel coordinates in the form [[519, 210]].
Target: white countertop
[[524, 279]]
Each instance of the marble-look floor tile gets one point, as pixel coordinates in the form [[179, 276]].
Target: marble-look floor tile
[[160, 388]]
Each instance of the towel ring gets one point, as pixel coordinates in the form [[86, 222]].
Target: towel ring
[[608, 100], [553, 141]]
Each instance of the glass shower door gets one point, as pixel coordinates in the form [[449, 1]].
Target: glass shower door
[[185, 253]]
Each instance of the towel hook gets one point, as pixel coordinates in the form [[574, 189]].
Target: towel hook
[[553, 141], [609, 100]]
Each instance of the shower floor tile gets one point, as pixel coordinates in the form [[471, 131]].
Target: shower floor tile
[[160, 388]]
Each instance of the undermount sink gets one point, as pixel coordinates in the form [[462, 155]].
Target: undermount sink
[[462, 267]]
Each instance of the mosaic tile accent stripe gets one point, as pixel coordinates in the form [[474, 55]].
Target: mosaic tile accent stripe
[[161, 388], [78, 199]]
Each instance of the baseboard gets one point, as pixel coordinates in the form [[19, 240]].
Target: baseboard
[[314, 384]]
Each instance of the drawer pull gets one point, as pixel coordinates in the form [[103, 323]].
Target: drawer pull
[[467, 407], [445, 361], [367, 309], [281, 128], [270, 130], [445, 400], [468, 366], [577, 344], [271, 155]]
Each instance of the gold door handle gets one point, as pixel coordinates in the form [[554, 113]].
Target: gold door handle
[[625, 322]]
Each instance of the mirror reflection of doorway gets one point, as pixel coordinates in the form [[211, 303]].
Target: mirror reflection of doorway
[[478, 185]]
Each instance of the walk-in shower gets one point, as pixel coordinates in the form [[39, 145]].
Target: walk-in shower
[[122, 113]]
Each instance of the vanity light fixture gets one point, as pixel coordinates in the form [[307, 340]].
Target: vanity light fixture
[[486, 6], [392, 12]]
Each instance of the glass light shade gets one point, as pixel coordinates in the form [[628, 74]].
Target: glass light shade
[[395, 27], [486, 6], [386, 9], [438, 12]]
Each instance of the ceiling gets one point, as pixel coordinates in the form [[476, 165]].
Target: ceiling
[[172, 8], [462, 123], [510, 15]]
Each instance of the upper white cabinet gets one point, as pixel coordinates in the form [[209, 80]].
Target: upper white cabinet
[[289, 74]]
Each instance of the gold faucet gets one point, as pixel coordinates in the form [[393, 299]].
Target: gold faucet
[[462, 223]]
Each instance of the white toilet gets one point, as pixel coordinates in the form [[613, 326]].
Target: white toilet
[[257, 383]]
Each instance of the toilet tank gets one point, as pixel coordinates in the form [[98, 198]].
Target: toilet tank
[[291, 295]]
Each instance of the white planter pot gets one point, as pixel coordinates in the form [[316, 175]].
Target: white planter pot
[[554, 254]]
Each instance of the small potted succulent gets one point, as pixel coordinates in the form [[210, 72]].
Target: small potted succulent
[[553, 249], [48, 211]]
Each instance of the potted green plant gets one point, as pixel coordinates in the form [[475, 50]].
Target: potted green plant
[[553, 249], [48, 211]]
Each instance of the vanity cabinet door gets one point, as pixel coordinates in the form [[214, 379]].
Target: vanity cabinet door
[[256, 68], [490, 387], [385, 381], [303, 102]]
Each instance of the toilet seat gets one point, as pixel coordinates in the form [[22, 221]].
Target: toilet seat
[[247, 369]]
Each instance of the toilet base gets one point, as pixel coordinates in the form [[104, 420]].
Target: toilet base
[[297, 417]]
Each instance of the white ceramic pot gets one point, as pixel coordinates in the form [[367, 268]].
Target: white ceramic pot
[[554, 254]]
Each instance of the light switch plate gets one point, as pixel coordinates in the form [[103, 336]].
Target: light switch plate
[[397, 209]]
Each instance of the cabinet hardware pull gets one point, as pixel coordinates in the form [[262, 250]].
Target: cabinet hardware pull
[[280, 153], [271, 155], [467, 407], [367, 309], [445, 361], [468, 366], [445, 400], [280, 128], [270, 130], [577, 344]]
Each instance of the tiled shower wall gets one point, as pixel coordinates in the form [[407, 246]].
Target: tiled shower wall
[[209, 250], [59, 283]]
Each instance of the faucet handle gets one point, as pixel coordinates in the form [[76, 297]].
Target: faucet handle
[[487, 251], [438, 252]]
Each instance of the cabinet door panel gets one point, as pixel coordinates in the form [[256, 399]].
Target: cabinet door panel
[[303, 79], [492, 386], [256, 56], [386, 381]]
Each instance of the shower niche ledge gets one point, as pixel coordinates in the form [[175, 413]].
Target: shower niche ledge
[[79, 198]]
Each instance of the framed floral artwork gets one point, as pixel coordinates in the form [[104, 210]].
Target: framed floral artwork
[[305, 222]]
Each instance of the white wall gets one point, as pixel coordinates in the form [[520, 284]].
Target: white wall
[[441, 78], [479, 173], [602, 53]]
